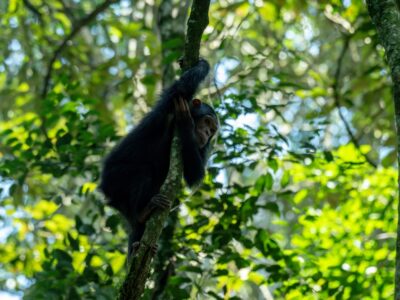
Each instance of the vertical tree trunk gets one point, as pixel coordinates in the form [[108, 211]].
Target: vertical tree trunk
[[139, 270], [170, 29], [385, 15]]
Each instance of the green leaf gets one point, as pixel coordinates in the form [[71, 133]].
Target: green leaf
[[269, 181], [74, 243]]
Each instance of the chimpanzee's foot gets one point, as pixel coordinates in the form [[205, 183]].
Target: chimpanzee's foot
[[161, 201], [134, 248]]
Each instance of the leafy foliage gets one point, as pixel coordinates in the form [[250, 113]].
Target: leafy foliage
[[291, 206]]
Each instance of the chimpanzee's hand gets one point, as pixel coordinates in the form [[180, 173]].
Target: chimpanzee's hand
[[182, 113], [201, 60]]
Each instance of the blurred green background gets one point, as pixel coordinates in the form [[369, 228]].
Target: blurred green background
[[299, 200]]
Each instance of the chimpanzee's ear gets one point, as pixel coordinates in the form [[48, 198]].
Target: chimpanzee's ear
[[196, 102]]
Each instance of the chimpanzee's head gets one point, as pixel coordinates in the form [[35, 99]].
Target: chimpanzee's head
[[205, 120]]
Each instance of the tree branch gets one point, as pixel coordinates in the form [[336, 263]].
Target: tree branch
[[34, 10], [77, 28], [337, 97], [385, 16], [169, 27], [197, 23], [139, 270]]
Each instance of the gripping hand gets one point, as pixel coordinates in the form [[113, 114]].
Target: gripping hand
[[182, 113]]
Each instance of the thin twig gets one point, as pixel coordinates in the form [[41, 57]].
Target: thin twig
[[336, 97], [77, 28], [218, 92], [34, 10]]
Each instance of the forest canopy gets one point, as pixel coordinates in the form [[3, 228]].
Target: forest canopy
[[300, 196]]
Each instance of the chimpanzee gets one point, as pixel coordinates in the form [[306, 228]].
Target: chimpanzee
[[136, 168]]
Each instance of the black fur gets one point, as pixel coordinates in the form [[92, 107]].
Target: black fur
[[136, 168]]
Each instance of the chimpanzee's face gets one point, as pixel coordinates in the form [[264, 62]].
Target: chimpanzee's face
[[206, 127]]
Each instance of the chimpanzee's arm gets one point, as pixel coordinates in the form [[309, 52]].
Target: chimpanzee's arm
[[191, 79], [186, 86], [192, 156]]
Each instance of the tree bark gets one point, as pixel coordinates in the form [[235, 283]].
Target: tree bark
[[139, 270], [171, 30], [197, 23], [385, 15]]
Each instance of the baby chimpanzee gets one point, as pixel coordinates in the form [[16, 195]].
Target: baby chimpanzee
[[136, 168]]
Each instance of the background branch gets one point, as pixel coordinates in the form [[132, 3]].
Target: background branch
[[34, 10], [77, 28], [337, 98], [385, 15]]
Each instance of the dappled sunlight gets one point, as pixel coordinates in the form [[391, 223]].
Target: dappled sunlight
[[299, 195]]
